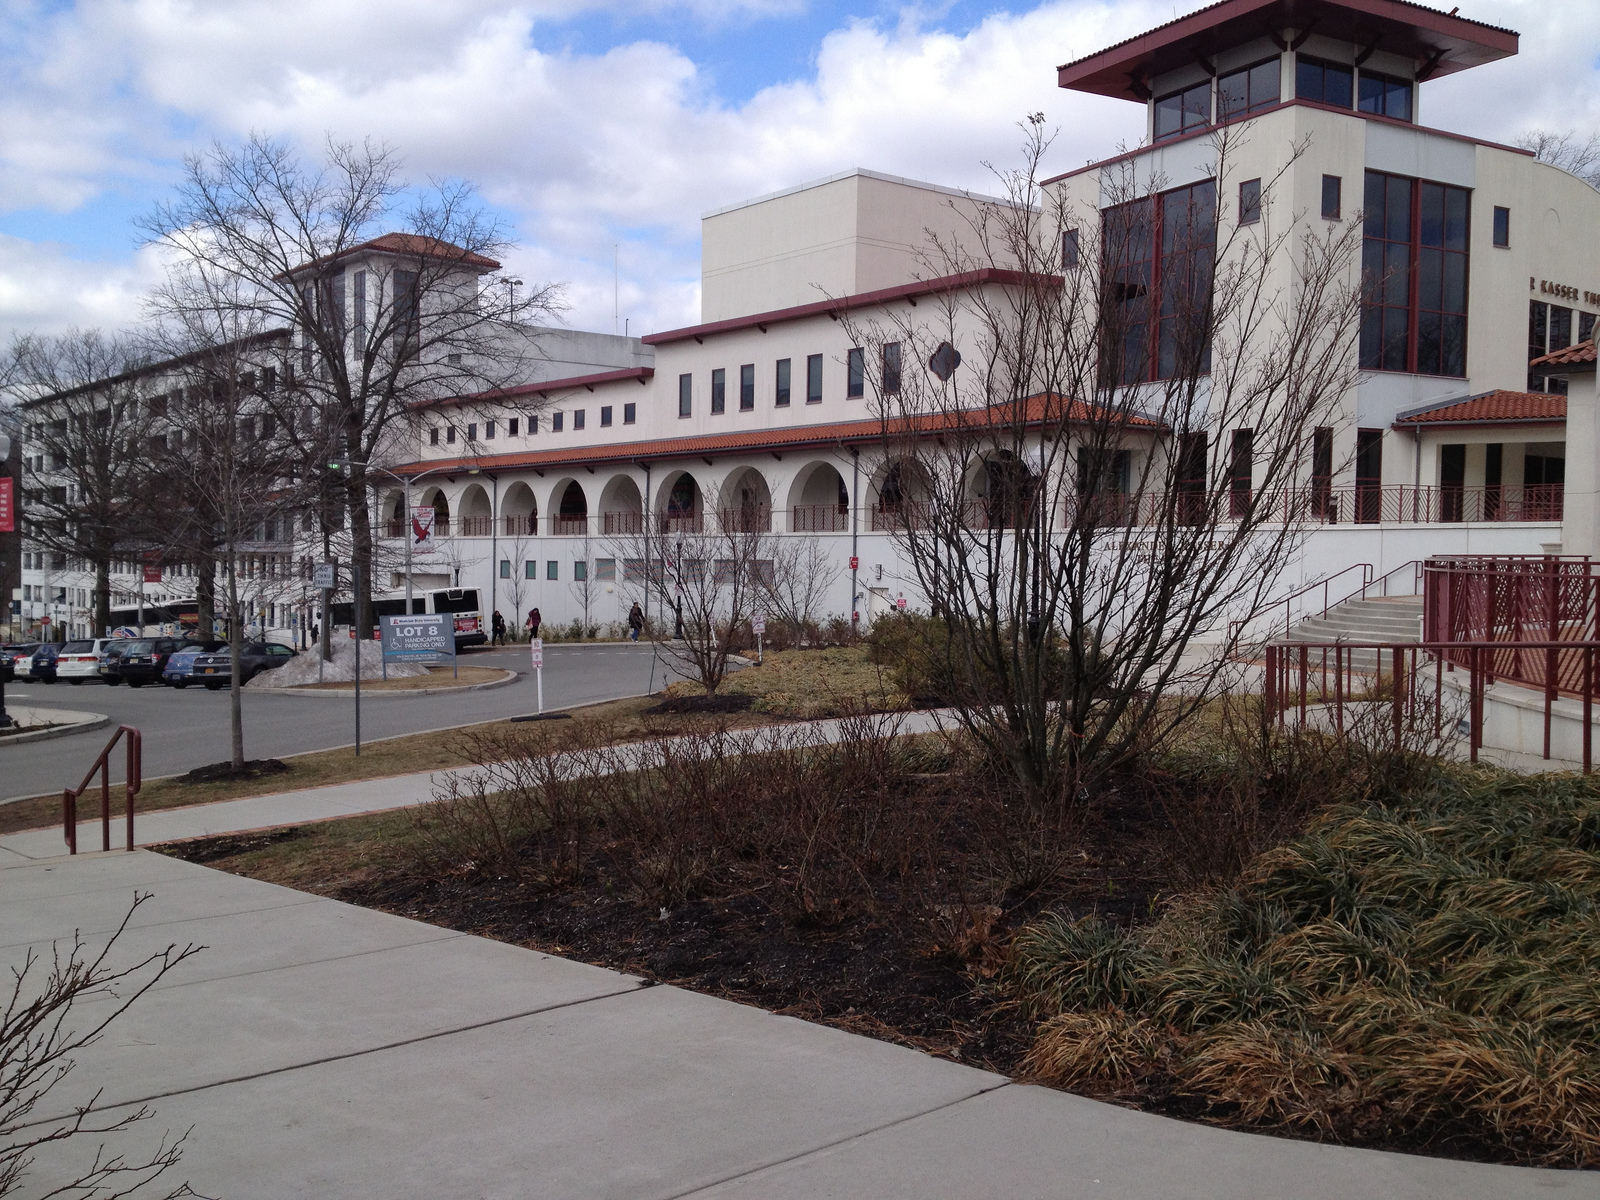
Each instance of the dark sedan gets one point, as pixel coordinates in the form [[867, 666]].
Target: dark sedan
[[42, 666], [216, 670], [144, 659], [109, 668]]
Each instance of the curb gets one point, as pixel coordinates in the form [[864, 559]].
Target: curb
[[96, 721], [507, 677]]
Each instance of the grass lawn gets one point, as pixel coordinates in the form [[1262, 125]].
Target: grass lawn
[[809, 684]]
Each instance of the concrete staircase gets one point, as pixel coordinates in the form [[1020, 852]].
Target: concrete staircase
[[1389, 619]]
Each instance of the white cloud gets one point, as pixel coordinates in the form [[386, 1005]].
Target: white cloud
[[628, 146]]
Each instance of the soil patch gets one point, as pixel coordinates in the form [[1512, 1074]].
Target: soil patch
[[724, 702], [255, 768]]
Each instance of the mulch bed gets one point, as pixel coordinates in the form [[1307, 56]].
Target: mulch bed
[[226, 772], [728, 702]]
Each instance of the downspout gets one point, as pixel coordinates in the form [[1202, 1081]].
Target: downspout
[[646, 467], [494, 556], [855, 557]]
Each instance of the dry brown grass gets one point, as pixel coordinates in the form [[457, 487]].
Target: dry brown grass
[[809, 684]]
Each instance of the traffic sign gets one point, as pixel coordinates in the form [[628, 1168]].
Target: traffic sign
[[536, 650], [758, 624], [901, 604], [854, 562], [322, 576]]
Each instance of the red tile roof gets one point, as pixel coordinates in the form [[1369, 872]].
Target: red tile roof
[[1492, 408], [642, 374], [1573, 356], [1443, 40], [833, 307], [409, 245], [843, 433]]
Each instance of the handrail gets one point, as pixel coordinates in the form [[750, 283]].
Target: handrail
[[1366, 579], [133, 782], [1415, 567]]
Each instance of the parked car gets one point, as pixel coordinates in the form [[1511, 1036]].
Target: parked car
[[41, 663], [77, 660], [179, 670], [109, 668], [216, 670], [145, 659], [17, 657]]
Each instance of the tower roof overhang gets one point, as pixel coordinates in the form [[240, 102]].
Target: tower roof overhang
[[1440, 43]]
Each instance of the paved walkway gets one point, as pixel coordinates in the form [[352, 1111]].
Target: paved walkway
[[318, 1050]]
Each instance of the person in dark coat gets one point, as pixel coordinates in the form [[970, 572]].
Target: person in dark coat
[[497, 626], [635, 621], [533, 623]]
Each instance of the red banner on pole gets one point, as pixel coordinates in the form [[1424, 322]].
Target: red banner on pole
[[152, 569], [8, 514]]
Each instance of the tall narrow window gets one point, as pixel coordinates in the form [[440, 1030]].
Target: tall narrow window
[[1442, 281], [814, 379], [1322, 474], [1369, 475], [488, 430], [1385, 95], [1250, 202], [855, 373], [629, 413], [1549, 329], [1332, 197], [1452, 482], [1159, 310], [605, 416], [405, 305], [780, 384], [1502, 226], [1386, 274], [577, 418], [1324, 82], [1241, 472], [685, 395], [1414, 276], [1069, 249], [747, 387], [719, 390], [1183, 112], [358, 289], [1191, 480], [891, 368], [511, 426], [1240, 93], [555, 422]]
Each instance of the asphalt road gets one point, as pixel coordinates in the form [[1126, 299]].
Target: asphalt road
[[189, 728]]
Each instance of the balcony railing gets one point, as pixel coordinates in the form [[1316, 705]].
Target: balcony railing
[[1370, 504], [520, 525], [621, 523], [395, 527], [753, 518], [475, 526], [820, 518], [693, 522], [569, 526]]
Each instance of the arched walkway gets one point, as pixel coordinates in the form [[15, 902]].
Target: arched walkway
[[903, 491], [435, 499], [520, 511], [682, 506], [572, 511], [745, 502], [621, 507], [476, 512], [819, 501]]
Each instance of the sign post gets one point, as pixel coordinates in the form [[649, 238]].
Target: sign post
[[355, 596], [322, 578], [758, 623], [536, 650]]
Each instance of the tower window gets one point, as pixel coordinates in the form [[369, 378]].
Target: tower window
[[1183, 112], [1325, 82], [1256, 87], [1386, 95], [1502, 226]]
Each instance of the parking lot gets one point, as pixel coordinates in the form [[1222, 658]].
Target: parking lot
[[189, 728]]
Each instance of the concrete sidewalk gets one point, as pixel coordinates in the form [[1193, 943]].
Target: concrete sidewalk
[[346, 799], [322, 1050]]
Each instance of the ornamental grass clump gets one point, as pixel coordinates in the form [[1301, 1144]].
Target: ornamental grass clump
[[1416, 972]]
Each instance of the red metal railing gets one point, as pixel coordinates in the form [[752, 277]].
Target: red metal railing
[[819, 518], [133, 781], [569, 526], [622, 522], [1339, 675], [475, 526], [521, 525], [754, 518]]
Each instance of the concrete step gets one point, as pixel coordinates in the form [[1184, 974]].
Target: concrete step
[[1386, 619]]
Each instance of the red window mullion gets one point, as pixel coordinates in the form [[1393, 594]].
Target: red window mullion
[[1153, 339], [1414, 257]]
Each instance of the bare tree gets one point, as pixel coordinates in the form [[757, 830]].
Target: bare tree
[[704, 578], [79, 396], [803, 572], [39, 1039], [383, 317], [1571, 151], [517, 546], [1052, 458]]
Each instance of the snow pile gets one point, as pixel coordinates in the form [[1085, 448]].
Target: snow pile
[[302, 669]]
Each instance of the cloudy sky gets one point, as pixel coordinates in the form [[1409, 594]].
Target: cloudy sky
[[590, 124]]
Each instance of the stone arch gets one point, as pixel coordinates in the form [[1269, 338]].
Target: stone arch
[[1005, 488], [902, 489], [681, 504], [436, 499], [621, 506], [819, 500], [520, 510], [744, 502], [475, 511], [571, 509]]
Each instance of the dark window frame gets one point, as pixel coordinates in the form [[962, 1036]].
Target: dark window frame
[[1420, 326], [1070, 249], [1332, 205], [578, 419], [1254, 79], [719, 390], [1381, 101], [1250, 202], [782, 376], [686, 394], [630, 413], [1502, 227], [855, 373], [605, 416], [891, 369], [1313, 73], [813, 379], [1188, 113], [747, 387]]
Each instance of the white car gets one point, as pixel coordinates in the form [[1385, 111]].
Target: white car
[[80, 660]]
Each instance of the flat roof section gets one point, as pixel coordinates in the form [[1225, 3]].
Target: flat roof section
[[1441, 43]]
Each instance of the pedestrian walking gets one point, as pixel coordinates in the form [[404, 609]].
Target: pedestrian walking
[[533, 623], [497, 625], [635, 621]]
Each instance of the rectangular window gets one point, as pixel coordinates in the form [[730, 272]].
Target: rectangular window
[[472, 431], [1241, 472], [1160, 303], [1414, 276], [1322, 473], [1069, 249], [577, 418], [450, 434], [685, 395], [1369, 475], [505, 568], [856, 373], [891, 368], [781, 384], [580, 571], [1246, 91], [605, 570], [1385, 95], [1502, 226], [719, 390], [1586, 327], [814, 379], [747, 387], [556, 420], [1324, 82], [533, 424], [1549, 329], [359, 299], [1332, 197], [552, 569], [630, 412], [488, 430], [605, 415], [511, 427], [1250, 202], [530, 569], [433, 436], [1183, 112]]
